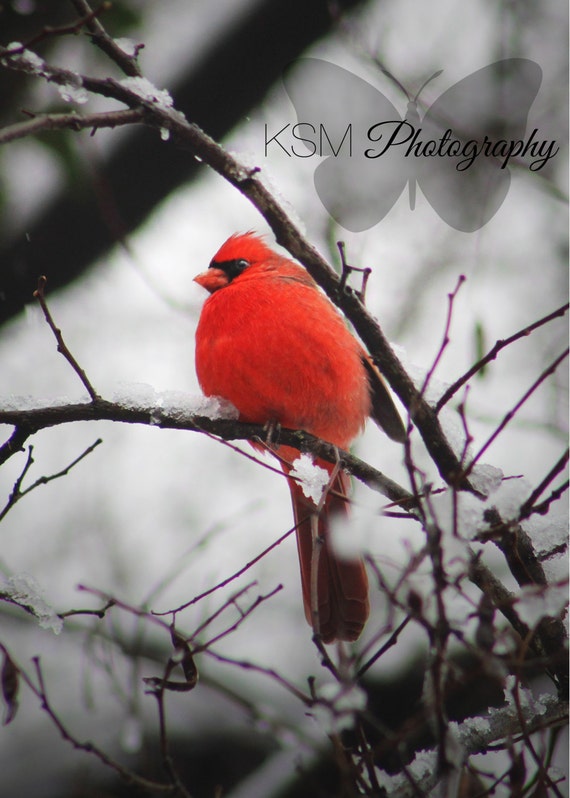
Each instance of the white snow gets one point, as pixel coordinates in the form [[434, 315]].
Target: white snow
[[24, 402], [147, 91], [313, 479], [71, 93], [184, 404], [172, 403], [24, 590], [486, 478], [27, 59], [540, 601], [510, 496], [134, 395]]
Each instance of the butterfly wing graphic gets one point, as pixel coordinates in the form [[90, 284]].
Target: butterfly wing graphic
[[356, 190], [362, 177], [490, 105]]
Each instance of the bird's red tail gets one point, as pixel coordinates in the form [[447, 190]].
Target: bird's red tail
[[335, 596]]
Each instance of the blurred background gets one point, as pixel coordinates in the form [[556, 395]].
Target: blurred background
[[120, 223]]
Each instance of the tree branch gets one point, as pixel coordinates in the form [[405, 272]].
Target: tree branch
[[31, 420], [189, 136], [492, 354], [99, 36], [70, 121]]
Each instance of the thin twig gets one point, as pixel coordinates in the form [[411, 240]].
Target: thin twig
[[230, 602], [97, 613], [18, 494], [70, 121], [390, 643], [529, 505], [492, 354], [445, 339], [73, 28], [270, 672], [261, 598], [61, 345], [347, 270], [512, 413], [229, 579], [544, 507], [99, 36], [127, 775]]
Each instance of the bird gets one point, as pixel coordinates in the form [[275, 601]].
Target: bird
[[270, 341]]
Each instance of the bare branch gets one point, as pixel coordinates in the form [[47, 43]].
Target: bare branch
[[70, 121], [445, 339], [544, 507], [512, 413], [229, 602], [61, 345], [99, 36], [529, 506], [260, 599], [89, 18], [229, 579], [392, 640], [347, 270], [15, 442], [129, 776], [492, 354], [32, 420], [18, 494], [191, 137], [271, 672]]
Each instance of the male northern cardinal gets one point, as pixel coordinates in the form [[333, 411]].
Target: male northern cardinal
[[269, 341]]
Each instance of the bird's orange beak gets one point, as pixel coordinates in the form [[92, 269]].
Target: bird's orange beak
[[212, 279]]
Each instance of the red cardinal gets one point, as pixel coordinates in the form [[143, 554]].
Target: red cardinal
[[270, 342]]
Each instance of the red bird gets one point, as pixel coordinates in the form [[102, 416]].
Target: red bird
[[269, 341]]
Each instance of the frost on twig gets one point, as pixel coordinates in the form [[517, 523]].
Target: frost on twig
[[144, 89], [476, 735], [172, 404], [23, 591]]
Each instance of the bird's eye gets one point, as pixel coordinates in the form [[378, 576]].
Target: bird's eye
[[232, 268]]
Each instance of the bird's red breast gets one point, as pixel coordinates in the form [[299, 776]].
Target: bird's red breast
[[271, 343]]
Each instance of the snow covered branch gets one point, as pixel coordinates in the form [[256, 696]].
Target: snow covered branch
[[175, 410], [139, 94]]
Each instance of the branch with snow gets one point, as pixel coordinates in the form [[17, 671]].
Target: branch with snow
[[137, 93], [475, 736]]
